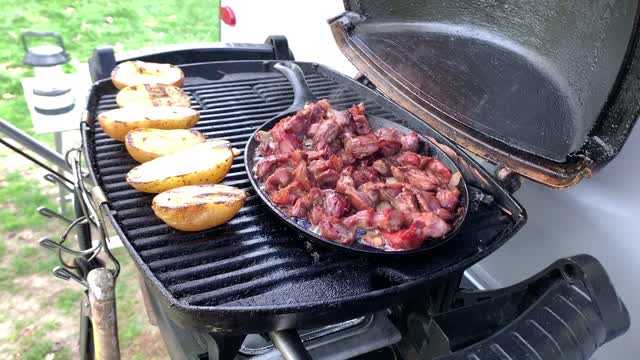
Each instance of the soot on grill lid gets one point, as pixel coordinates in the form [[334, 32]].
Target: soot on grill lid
[[541, 87]]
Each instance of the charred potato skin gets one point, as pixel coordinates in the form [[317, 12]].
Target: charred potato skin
[[131, 73], [194, 215], [136, 138], [210, 175], [118, 129], [152, 95]]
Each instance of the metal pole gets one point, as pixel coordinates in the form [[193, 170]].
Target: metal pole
[[102, 301], [289, 344], [57, 140], [32, 144]]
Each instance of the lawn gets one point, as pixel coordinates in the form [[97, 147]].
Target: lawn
[[123, 24], [33, 326]]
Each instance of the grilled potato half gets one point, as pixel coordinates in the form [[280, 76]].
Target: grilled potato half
[[147, 144], [198, 207], [118, 122], [204, 163], [152, 95], [131, 73]]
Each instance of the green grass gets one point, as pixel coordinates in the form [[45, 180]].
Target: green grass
[[126, 303], [36, 346], [68, 301], [20, 197], [124, 24], [30, 260]]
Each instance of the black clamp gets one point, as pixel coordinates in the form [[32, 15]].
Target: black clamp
[[280, 46]]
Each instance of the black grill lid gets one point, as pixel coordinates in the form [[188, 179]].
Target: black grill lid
[[527, 84]]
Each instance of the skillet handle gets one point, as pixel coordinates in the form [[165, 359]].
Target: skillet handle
[[301, 92]]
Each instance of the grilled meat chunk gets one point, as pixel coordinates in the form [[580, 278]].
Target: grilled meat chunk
[[360, 122], [389, 141], [362, 146], [328, 167], [410, 142]]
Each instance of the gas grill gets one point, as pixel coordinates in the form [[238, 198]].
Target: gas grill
[[254, 274], [212, 293], [253, 288]]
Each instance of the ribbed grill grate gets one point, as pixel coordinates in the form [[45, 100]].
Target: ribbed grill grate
[[255, 260]]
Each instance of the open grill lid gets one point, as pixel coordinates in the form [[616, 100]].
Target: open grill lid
[[544, 88]]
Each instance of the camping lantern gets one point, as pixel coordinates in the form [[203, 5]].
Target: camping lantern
[[51, 93]]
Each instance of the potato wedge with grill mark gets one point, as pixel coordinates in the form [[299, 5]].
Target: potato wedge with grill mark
[[204, 163], [152, 95], [131, 73], [198, 207], [147, 144], [118, 122]]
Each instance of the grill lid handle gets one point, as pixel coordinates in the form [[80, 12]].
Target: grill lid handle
[[301, 92], [573, 310]]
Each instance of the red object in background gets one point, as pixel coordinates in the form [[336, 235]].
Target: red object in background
[[227, 15]]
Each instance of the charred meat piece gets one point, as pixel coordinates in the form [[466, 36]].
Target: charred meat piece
[[389, 219], [318, 166], [397, 173], [347, 158], [316, 215], [287, 143], [405, 201], [302, 176], [327, 179], [265, 166], [385, 192], [445, 214], [280, 178], [359, 199], [362, 146], [364, 174], [327, 166], [342, 118], [448, 198], [410, 142], [389, 141], [420, 179], [434, 226], [327, 131], [427, 201], [345, 180], [360, 122], [408, 239], [296, 125], [315, 112], [287, 195], [333, 229], [427, 225], [442, 173], [363, 219], [381, 167], [407, 158], [333, 203], [302, 206]]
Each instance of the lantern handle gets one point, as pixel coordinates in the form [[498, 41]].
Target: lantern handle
[[41, 34]]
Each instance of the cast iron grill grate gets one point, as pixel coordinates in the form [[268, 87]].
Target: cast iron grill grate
[[254, 260]]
